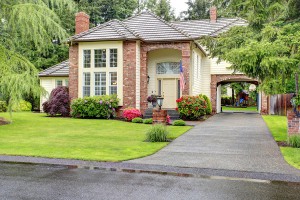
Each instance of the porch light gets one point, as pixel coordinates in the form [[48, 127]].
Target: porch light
[[148, 79], [160, 101]]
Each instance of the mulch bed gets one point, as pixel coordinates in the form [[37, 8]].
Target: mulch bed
[[3, 121], [283, 144]]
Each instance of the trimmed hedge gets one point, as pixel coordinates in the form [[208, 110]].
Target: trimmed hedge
[[148, 121], [208, 109], [191, 107], [179, 123], [137, 120], [100, 107]]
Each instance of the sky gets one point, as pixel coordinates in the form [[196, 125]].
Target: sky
[[179, 6]]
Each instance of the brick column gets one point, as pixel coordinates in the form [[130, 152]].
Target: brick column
[[144, 84], [264, 104], [186, 58], [213, 93], [159, 116], [129, 75], [73, 71], [293, 122]]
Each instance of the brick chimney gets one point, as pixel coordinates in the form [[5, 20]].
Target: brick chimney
[[213, 14], [82, 22]]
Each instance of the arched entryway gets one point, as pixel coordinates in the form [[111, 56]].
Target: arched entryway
[[218, 80]]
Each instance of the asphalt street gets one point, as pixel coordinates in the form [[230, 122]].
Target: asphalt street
[[23, 181]]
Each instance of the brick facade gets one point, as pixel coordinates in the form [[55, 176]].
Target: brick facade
[[184, 47], [129, 75], [293, 122], [73, 71], [216, 79]]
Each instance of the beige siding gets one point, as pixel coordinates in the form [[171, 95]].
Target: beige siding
[[49, 83], [205, 76], [196, 71], [220, 68], [158, 56]]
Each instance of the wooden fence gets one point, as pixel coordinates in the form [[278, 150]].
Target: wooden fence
[[279, 103]]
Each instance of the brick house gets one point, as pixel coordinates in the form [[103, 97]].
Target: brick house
[[140, 56]]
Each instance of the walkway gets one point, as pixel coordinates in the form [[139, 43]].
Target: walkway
[[227, 141]]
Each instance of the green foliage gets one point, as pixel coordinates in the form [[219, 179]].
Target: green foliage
[[26, 25], [148, 121], [179, 123], [3, 106], [208, 109], [191, 107], [294, 141], [197, 9], [102, 107], [157, 133], [161, 8], [137, 120], [22, 106]]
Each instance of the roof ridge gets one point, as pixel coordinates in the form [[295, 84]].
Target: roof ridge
[[116, 29], [223, 27], [169, 24], [63, 62], [129, 30]]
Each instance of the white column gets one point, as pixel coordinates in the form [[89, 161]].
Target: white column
[[219, 98]]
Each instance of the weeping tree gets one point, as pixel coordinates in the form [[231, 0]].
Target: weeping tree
[[267, 49], [26, 23]]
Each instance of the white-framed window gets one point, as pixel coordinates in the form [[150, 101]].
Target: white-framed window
[[87, 58], [86, 84], [113, 83], [58, 83], [67, 82], [100, 83], [100, 58], [113, 56]]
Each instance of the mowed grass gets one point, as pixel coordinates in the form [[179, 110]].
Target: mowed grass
[[278, 128], [35, 134], [240, 109]]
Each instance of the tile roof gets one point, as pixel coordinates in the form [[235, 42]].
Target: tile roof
[[61, 69], [146, 26]]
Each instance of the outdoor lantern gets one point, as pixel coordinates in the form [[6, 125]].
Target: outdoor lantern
[[160, 101]]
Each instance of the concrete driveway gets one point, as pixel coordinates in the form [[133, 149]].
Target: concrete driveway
[[230, 141]]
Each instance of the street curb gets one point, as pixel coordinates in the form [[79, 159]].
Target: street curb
[[203, 173]]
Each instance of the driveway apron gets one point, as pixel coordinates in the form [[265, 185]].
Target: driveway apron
[[230, 141]]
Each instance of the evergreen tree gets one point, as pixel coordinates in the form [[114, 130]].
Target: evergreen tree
[[197, 9], [161, 8], [18, 28]]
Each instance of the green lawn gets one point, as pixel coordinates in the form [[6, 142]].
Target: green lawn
[[238, 109], [33, 134], [278, 128]]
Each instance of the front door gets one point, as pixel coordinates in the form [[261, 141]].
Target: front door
[[168, 88]]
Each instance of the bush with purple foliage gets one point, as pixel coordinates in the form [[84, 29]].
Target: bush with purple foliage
[[58, 103]]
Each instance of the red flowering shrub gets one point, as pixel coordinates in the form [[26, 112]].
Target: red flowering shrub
[[131, 113], [168, 119], [58, 103], [191, 107]]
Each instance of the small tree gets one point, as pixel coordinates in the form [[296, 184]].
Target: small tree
[[58, 103]]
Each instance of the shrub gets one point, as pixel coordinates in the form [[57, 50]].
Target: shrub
[[130, 113], [22, 106], [58, 103], [148, 121], [3, 106], [100, 107], [294, 141], [208, 109], [157, 133], [168, 119], [191, 107], [179, 123], [137, 120]]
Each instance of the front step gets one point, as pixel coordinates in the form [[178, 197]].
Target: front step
[[174, 115]]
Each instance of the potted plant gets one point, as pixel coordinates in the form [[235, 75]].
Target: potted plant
[[152, 99]]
